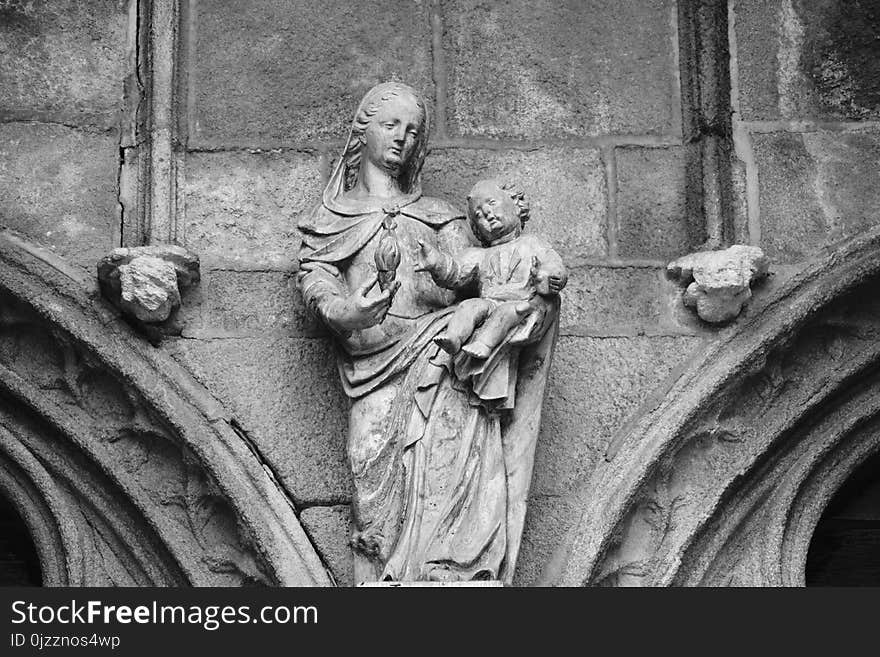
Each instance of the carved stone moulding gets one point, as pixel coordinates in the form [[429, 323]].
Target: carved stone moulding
[[126, 470], [724, 480], [25, 482]]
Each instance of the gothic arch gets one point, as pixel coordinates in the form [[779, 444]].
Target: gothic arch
[[125, 470], [723, 481]]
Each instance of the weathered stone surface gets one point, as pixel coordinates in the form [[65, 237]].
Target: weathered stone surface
[[815, 189], [246, 304], [161, 490], [653, 218], [58, 187], [817, 59], [719, 282], [286, 394], [146, 281], [64, 58], [595, 383], [561, 69], [722, 481], [186, 263], [757, 50], [149, 288], [295, 70], [565, 187], [548, 520], [329, 527], [242, 208], [619, 300]]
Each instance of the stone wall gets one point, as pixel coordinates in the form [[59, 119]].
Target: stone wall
[[581, 102], [807, 102], [63, 66]]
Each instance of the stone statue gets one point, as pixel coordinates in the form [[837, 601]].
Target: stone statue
[[444, 349]]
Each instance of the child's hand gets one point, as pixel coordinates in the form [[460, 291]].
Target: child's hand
[[557, 281], [430, 259], [546, 282]]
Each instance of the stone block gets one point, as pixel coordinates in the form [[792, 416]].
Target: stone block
[[652, 209], [295, 70], [58, 187], [817, 60], [242, 208], [64, 58], [329, 528], [815, 189], [595, 385], [757, 49], [555, 69], [286, 395], [616, 300], [565, 187], [246, 304]]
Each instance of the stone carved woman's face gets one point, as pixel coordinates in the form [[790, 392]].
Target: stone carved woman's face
[[393, 133]]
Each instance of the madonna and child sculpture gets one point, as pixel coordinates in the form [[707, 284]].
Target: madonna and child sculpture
[[445, 325]]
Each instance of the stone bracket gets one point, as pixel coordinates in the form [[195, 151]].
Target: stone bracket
[[146, 282], [719, 282]]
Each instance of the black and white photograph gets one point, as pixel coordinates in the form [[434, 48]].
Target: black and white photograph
[[432, 294]]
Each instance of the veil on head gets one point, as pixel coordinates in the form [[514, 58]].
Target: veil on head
[[345, 173]]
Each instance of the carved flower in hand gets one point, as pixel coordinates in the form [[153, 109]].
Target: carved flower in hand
[[387, 258]]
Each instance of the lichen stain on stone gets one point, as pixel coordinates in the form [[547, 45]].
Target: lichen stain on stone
[[73, 227], [841, 55], [817, 147], [791, 40]]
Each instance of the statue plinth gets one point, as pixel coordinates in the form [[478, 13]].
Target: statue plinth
[[486, 583]]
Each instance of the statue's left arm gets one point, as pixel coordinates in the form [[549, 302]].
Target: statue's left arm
[[549, 276]]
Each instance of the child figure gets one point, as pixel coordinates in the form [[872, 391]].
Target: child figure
[[509, 270]]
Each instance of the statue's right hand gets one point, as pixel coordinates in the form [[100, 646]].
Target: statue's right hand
[[357, 311]]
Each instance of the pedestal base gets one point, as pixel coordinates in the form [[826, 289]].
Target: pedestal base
[[490, 583]]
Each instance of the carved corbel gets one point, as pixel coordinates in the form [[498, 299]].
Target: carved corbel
[[719, 283], [146, 282]]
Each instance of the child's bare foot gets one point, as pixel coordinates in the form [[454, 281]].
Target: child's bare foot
[[448, 344], [477, 349]]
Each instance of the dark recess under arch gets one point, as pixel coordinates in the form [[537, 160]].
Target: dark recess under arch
[[845, 549], [19, 563]]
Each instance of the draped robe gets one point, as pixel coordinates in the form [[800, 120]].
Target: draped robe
[[440, 475]]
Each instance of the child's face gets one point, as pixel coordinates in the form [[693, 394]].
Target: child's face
[[492, 212]]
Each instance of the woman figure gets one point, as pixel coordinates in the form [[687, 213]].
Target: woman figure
[[440, 476]]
